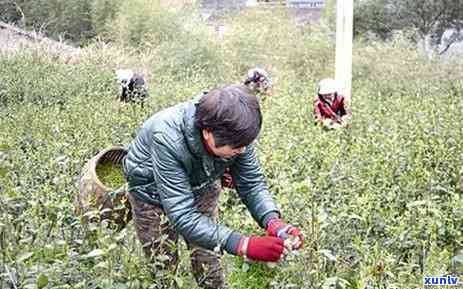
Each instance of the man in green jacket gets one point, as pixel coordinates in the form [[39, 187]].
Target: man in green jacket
[[173, 168]]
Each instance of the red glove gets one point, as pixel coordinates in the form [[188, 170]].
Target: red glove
[[278, 228], [227, 180], [268, 249]]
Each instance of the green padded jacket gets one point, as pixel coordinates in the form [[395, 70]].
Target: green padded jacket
[[167, 165]]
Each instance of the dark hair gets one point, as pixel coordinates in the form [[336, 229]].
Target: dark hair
[[322, 98], [232, 114]]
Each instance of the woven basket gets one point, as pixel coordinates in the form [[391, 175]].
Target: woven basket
[[97, 201]]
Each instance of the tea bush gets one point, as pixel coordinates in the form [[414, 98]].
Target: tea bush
[[378, 203]]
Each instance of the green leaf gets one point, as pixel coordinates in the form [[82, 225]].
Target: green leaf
[[245, 267], [458, 259], [417, 203], [179, 281], [112, 247], [328, 254], [42, 281], [93, 254], [25, 256], [120, 286], [102, 265]]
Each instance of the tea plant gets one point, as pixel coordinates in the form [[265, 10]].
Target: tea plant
[[379, 204]]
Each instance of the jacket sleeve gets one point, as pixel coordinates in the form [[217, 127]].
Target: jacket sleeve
[[251, 186], [178, 201], [316, 110], [347, 111]]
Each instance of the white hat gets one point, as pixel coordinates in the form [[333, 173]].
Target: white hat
[[327, 86], [124, 75]]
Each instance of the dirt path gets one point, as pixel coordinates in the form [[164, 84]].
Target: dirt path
[[13, 39]]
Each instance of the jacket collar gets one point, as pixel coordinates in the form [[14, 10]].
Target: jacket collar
[[193, 137], [192, 133]]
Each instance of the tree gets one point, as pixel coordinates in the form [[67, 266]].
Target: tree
[[70, 19], [103, 12], [437, 24]]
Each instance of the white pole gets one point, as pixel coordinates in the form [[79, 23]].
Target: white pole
[[344, 35]]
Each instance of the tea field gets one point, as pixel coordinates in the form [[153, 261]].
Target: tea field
[[380, 204]]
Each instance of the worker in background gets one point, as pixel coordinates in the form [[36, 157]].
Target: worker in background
[[330, 108], [259, 82]]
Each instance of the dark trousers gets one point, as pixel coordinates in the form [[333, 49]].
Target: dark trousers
[[159, 239]]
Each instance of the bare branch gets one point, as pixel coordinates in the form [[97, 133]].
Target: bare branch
[[11, 277], [438, 16], [23, 17], [453, 39], [446, 48]]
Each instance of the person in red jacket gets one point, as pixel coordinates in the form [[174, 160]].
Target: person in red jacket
[[330, 108]]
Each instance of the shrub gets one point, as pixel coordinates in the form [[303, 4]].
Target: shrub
[[379, 204]]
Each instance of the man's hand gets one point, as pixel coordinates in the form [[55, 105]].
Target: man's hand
[[267, 249], [277, 228], [328, 123], [345, 121], [227, 180]]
